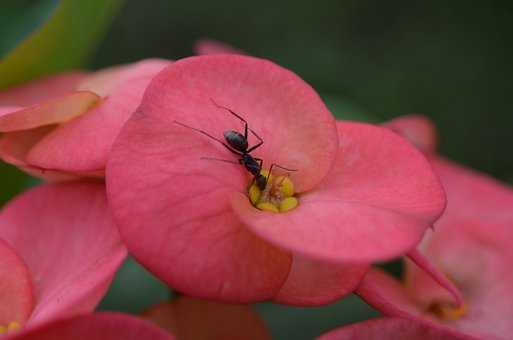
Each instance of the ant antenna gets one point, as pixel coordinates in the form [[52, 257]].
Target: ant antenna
[[278, 166], [208, 135]]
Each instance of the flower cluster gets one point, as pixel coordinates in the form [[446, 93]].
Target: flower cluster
[[227, 177]]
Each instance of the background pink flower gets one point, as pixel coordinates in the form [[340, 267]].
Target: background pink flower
[[210, 46], [69, 130], [471, 243], [61, 250], [190, 222], [391, 329], [194, 319], [98, 326]]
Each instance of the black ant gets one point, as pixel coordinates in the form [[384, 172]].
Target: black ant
[[238, 144]]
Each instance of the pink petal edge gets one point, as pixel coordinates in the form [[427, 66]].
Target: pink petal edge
[[66, 236], [51, 111], [42, 89], [16, 298], [315, 283], [83, 144], [392, 329], [210, 46]]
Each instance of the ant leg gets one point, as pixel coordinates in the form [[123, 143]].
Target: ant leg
[[260, 161], [278, 166], [233, 113], [246, 127], [281, 167], [210, 136], [287, 175], [220, 160], [257, 145]]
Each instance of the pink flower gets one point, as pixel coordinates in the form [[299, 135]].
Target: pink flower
[[59, 250], [209, 46], [194, 319], [360, 193], [98, 326], [391, 329], [471, 243], [63, 126]]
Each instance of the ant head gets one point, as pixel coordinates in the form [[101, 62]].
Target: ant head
[[261, 182]]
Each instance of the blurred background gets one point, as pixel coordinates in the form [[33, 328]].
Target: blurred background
[[370, 59]]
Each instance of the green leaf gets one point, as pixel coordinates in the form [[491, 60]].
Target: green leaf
[[63, 42], [19, 18], [134, 289], [13, 182]]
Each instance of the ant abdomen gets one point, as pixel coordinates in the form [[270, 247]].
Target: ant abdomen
[[236, 140]]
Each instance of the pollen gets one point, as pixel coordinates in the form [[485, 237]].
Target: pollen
[[10, 327], [448, 312], [278, 195]]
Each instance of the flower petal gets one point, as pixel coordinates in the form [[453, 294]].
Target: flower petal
[[14, 147], [39, 90], [298, 130], [195, 319], [476, 203], [67, 238], [106, 81], [418, 129], [98, 326], [16, 299], [186, 199], [389, 296], [439, 277], [391, 329], [51, 111], [477, 221], [177, 222], [82, 145], [209, 46], [4, 110], [314, 283], [375, 204]]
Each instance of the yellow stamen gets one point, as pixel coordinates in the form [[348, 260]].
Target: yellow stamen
[[448, 312], [254, 194], [266, 206], [286, 186], [11, 327], [288, 203], [278, 196]]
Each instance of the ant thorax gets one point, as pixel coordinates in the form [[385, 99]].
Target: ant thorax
[[278, 195]]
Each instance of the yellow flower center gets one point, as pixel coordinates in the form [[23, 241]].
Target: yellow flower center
[[448, 311], [10, 327], [278, 195]]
